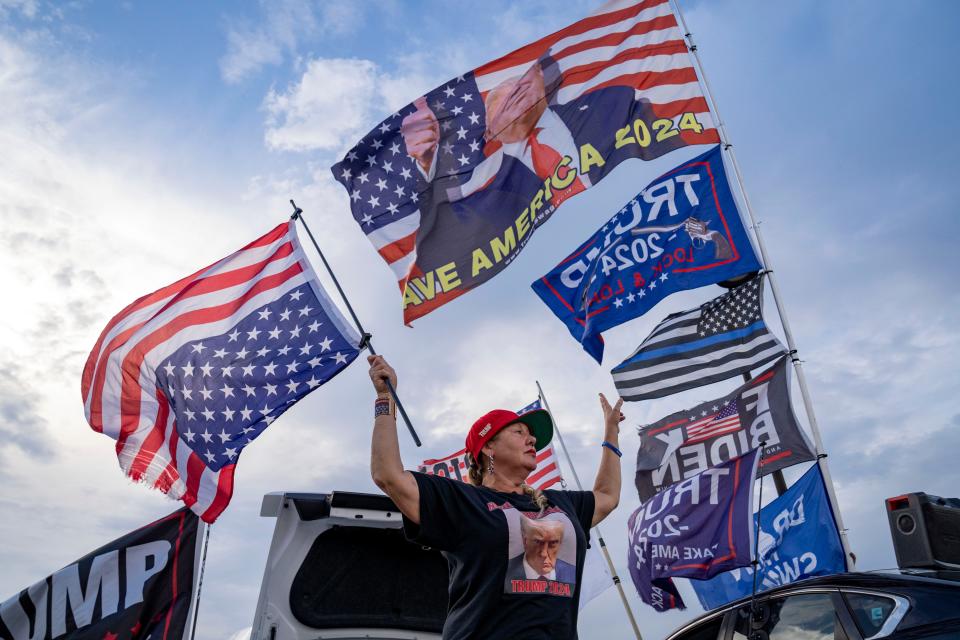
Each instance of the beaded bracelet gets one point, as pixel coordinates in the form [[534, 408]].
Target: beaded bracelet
[[381, 407], [612, 448]]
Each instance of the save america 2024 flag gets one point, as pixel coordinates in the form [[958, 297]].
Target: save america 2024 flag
[[450, 187], [684, 443], [680, 232]]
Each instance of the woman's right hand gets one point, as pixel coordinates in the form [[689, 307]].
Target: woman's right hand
[[380, 372]]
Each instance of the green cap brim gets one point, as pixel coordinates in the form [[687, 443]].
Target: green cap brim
[[540, 424]]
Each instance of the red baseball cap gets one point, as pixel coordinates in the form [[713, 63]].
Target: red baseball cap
[[489, 424]]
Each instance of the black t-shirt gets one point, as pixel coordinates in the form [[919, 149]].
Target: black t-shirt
[[514, 573]]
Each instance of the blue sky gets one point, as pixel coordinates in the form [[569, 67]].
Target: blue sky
[[144, 140]]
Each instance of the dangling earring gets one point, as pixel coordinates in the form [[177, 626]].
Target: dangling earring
[[490, 465]]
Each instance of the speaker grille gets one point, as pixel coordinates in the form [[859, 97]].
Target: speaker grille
[[943, 531], [925, 530]]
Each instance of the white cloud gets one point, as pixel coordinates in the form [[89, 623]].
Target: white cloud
[[278, 31], [254, 44], [334, 102], [29, 8]]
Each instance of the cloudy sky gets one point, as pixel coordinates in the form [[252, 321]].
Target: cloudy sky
[[141, 141]]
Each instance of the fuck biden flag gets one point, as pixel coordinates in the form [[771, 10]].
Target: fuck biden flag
[[450, 188]]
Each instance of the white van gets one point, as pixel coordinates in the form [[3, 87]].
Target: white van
[[340, 567]]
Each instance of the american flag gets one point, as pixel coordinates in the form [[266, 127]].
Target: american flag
[[719, 339], [186, 377], [544, 476], [726, 420], [625, 43]]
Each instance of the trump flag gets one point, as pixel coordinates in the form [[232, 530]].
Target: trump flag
[[695, 529], [450, 188], [681, 232], [139, 586], [798, 539], [186, 377]]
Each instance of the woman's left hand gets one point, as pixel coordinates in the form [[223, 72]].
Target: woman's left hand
[[611, 415]]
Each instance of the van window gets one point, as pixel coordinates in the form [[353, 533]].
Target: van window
[[370, 577]]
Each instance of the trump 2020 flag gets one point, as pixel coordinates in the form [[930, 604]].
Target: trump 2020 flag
[[681, 232], [719, 339], [186, 377], [695, 529], [798, 539], [140, 585], [450, 188], [686, 442]]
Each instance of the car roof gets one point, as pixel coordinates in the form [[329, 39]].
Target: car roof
[[886, 580], [878, 580]]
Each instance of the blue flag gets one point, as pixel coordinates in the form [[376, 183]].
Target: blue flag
[[693, 529], [798, 539], [681, 232]]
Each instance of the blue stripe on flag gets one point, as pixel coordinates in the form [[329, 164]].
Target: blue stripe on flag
[[696, 344]]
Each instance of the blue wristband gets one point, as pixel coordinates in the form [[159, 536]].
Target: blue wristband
[[612, 448]]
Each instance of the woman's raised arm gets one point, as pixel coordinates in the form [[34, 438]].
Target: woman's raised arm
[[606, 488], [386, 467]]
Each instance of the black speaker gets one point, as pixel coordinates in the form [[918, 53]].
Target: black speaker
[[925, 531]]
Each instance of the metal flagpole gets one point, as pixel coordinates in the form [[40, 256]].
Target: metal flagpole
[[779, 482], [603, 545], [203, 564], [365, 339], [788, 334]]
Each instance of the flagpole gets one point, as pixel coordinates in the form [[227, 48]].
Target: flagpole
[[366, 338], [779, 482], [603, 545], [203, 564], [756, 540], [788, 334]]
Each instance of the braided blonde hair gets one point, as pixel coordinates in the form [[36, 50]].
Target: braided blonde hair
[[477, 468]]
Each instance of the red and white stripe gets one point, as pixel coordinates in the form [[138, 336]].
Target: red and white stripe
[[396, 244], [710, 427], [624, 43], [119, 386], [544, 476], [547, 472]]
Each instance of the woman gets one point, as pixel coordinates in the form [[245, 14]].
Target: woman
[[515, 554]]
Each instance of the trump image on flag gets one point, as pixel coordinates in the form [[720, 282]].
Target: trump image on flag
[[450, 188]]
